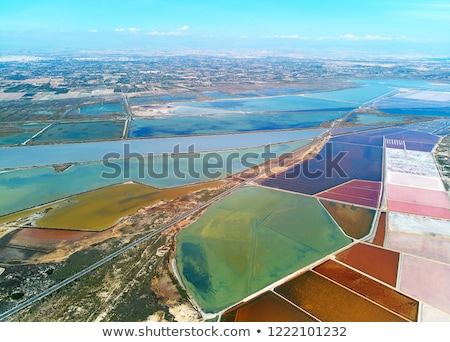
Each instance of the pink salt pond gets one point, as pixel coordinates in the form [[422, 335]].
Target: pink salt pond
[[359, 192], [418, 201], [426, 280]]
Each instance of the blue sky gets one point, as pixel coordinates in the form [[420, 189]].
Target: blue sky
[[397, 26]]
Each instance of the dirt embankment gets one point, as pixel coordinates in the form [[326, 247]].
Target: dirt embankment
[[285, 162]]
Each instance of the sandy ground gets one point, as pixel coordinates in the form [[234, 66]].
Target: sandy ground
[[5, 230], [10, 96], [152, 110], [300, 155]]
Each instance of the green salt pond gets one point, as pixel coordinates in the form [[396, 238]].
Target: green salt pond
[[249, 240]]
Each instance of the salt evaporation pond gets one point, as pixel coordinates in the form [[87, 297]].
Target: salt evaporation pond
[[167, 126], [319, 174], [319, 301], [266, 308], [377, 119], [259, 105], [407, 106], [330, 302], [25, 156], [102, 109], [26, 188], [81, 131], [18, 133], [364, 92], [250, 239]]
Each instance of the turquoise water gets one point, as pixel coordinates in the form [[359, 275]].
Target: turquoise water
[[372, 119], [405, 106], [44, 112], [369, 90], [26, 188], [42, 155], [363, 93], [218, 95], [398, 83], [21, 133], [280, 91], [259, 105], [375, 119], [231, 123], [438, 87], [102, 109], [22, 189], [81, 131]]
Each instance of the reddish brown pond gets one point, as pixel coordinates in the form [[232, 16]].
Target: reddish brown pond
[[268, 307], [45, 238], [369, 288], [331, 302], [374, 261], [381, 230]]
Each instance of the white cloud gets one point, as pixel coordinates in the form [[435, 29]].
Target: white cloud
[[179, 31], [349, 37], [376, 37], [370, 37], [134, 30], [288, 36], [158, 33], [93, 31]]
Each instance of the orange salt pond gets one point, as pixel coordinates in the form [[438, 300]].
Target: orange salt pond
[[268, 307], [371, 289], [381, 230], [377, 262], [331, 302]]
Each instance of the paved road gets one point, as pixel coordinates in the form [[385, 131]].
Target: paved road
[[101, 262]]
